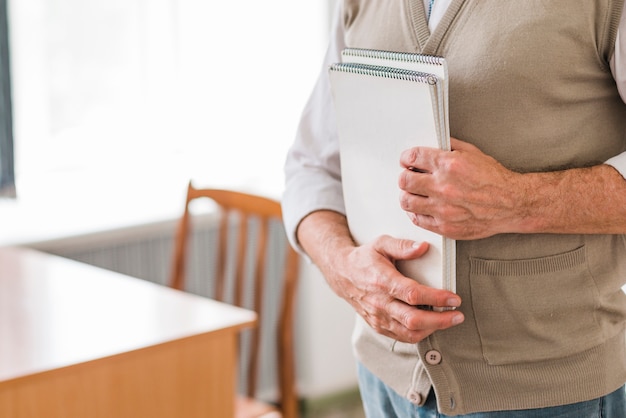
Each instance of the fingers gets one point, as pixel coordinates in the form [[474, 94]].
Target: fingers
[[420, 159], [386, 299], [414, 294], [396, 314], [426, 160], [405, 289], [414, 318], [411, 324]]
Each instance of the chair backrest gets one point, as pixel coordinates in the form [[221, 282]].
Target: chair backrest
[[242, 269]]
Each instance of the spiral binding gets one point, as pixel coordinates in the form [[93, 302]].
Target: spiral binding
[[396, 56], [385, 72]]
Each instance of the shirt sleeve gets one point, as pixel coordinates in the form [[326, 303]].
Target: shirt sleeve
[[618, 68], [312, 170]]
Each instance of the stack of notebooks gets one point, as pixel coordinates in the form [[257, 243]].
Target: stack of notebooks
[[387, 102]]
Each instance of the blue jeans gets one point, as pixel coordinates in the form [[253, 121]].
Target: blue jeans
[[380, 401]]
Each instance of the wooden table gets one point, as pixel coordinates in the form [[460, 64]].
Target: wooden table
[[77, 341]]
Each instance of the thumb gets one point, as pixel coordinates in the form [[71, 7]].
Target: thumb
[[400, 249]]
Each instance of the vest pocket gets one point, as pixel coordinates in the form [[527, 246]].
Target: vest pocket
[[535, 309]]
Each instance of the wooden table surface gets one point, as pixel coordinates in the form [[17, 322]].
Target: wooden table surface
[[79, 341]]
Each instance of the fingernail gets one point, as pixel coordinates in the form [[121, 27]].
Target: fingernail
[[457, 319], [453, 302]]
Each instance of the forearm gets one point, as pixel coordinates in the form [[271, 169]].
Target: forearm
[[587, 200], [323, 234]]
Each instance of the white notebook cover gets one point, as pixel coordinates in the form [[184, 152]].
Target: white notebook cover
[[427, 64], [380, 113]]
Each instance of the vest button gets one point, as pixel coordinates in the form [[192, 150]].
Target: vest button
[[415, 398], [433, 357]]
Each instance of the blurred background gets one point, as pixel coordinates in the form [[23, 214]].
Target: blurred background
[[117, 104], [159, 91]]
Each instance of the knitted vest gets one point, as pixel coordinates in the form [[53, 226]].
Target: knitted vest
[[530, 85]]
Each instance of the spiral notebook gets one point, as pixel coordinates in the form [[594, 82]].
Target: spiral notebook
[[386, 102]]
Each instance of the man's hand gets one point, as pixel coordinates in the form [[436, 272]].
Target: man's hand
[[463, 194], [367, 278]]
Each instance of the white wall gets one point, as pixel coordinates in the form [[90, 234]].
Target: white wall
[[324, 328]]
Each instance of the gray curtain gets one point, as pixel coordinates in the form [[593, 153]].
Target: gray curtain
[[7, 167]]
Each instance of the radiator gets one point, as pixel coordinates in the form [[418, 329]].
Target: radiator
[[145, 252]]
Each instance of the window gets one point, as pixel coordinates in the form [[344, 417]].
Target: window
[[108, 92]]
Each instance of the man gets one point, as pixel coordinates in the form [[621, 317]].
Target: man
[[531, 190]]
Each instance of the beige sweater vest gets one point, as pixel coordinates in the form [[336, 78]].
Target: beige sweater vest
[[545, 315]]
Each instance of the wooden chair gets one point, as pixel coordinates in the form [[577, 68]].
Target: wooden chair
[[247, 209]]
